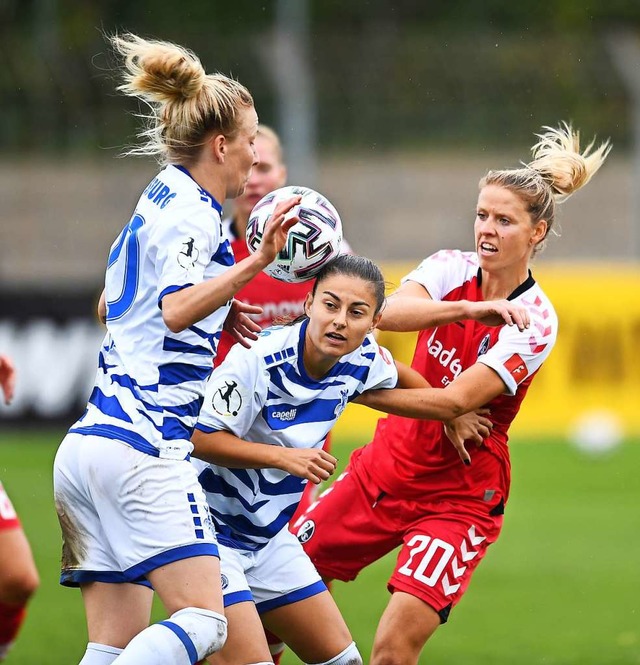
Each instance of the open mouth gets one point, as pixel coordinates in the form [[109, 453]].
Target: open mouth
[[336, 337], [487, 248]]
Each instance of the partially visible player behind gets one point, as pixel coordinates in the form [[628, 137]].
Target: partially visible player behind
[[278, 300], [18, 574]]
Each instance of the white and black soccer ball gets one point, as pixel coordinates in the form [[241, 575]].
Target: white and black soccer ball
[[312, 242]]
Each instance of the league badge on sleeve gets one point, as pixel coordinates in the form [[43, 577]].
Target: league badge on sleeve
[[188, 254], [227, 400]]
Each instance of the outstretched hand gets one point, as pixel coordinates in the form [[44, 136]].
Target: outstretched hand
[[499, 312], [474, 426], [277, 229], [240, 325], [313, 464], [7, 378]]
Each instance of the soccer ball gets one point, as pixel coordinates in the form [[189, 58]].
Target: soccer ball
[[312, 242]]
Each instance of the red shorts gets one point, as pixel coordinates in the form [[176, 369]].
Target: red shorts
[[8, 517], [354, 523], [310, 493]]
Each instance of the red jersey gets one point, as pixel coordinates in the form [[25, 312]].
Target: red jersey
[[277, 299], [410, 457]]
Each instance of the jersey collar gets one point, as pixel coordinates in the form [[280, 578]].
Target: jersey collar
[[214, 203], [519, 290]]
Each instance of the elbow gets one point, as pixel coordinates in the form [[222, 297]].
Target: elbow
[[174, 324], [174, 320]]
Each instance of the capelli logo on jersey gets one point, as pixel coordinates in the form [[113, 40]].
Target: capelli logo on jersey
[[288, 415], [446, 357]]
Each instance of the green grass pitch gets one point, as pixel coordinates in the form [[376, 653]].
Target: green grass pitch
[[560, 587]]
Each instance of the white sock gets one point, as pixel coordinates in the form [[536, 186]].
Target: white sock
[[99, 654], [184, 638]]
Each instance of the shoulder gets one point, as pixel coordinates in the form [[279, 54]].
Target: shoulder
[[276, 345], [444, 271], [539, 305]]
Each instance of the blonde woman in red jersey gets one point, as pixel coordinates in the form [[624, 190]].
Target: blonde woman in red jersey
[[408, 487]]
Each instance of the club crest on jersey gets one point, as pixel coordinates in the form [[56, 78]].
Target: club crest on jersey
[[227, 400], [188, 255], [342, 404], [306, 531], [484, 345]]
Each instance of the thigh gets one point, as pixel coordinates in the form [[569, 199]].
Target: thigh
[[191, 582], [351, 525], [116, 613], [441, 550], [282, 573], [313, 628], [124, 513], [246, 642], [406, 625]]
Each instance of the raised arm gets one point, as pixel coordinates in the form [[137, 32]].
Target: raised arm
[[185, 307], [226, 449], [411, 308]]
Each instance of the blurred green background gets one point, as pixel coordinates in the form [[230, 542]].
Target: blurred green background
[[560, 587]]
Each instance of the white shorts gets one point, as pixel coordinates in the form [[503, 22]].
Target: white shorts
[[278, 574], [124, 513]]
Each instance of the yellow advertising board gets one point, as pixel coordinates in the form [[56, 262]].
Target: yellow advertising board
[[594, 369]]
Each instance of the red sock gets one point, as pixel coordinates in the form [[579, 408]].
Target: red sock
[[11, 618], [276, 646]]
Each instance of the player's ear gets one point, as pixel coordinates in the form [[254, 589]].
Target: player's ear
[[307, 304], [219, 147]]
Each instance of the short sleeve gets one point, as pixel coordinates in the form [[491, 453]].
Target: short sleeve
[[184, 246], [383, 372], [517, 355], [235, 393], [442, 270]]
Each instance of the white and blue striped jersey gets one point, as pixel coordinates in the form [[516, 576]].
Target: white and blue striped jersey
[[150, 382], [263, 394]]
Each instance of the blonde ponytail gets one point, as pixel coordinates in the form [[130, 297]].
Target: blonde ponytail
[[558, 169], [185, 102]]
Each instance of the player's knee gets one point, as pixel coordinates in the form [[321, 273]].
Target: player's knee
[[206, 631], [17, 588], [349, 656]]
